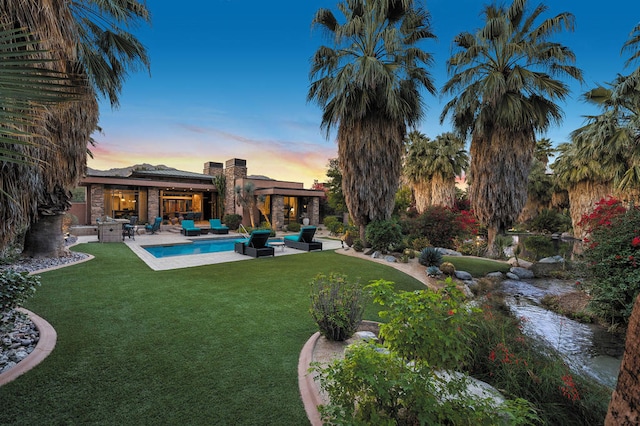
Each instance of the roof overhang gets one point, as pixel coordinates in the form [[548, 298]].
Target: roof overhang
[[97, 180]]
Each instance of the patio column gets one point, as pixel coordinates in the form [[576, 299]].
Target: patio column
[[314, 211], [277, 212], [97, 203], [153, 204]]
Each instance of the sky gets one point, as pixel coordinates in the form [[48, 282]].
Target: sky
[[229, 79]]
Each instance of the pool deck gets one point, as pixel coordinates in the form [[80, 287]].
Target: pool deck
[[167, 237]]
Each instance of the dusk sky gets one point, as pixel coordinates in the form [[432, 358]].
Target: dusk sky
[[229, 79]]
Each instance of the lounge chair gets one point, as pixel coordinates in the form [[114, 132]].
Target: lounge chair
[[155, 227], [217, 227], [256, 245], [189, 228], [304, 240]]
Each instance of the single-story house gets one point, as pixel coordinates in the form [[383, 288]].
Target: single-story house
[[149, 191]]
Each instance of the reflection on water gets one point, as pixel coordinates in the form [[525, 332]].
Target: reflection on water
[[586, 347]]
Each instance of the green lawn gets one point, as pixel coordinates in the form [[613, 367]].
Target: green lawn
[[476, 266], [214, 344]]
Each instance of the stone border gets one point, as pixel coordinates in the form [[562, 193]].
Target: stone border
[[307, 384], [46, 343]]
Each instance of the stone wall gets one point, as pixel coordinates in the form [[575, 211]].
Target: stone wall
[[314, 211], [153, 204], [277, 212], [97, 203], [235, 168]]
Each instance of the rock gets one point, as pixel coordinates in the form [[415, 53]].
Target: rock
[[496, 274], [366, 335], [376, 255], [519, 262], [466, 290], [522, 273], [513, 276], [552, 259], [390, 259], [463, 275], [448, 252]]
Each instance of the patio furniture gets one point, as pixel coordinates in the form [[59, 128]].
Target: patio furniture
[[217, 227], [129, 229], [256, 245], [189, 228], [304, 240], [155, 227]]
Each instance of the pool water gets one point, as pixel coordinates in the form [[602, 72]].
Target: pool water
[[197, 247]]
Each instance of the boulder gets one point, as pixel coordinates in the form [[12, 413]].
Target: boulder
[[496, 274], [513, 276], [519, 262], [552, 259], [463, 275], [390, 259], [522, 273], [376, 255], [448, 252]]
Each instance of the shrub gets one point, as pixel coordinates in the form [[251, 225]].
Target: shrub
[[430, 256], [549, 221], [540, 245], [441, 226], [419, 243], [334, 226], [233, 221], [383, 234], [16, 288], [293, 227], [337, 305], [433, 271], [357, 245], [613, 254], [501, 242], [447, 268]]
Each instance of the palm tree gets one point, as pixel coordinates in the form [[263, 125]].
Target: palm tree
[[584, 179], [540, 184], [432, 166], [87, 41], [368, 84], [505, 88]]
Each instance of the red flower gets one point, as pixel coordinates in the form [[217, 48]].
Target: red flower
[[451, 312], [636, 241]]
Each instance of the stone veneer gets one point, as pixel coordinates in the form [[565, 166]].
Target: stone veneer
[[153, 204], [277, 211], [97, 202], [234, 169]]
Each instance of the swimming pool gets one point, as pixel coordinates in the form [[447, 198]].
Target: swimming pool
[[197, 247]]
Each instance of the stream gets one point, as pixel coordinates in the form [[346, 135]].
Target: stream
[[587, 348]]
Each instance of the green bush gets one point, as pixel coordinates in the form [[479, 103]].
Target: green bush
[[447, 268], [233, 221], [383, 235], [549, 221], [357, 245], [441, 226], [540, 245], [16, 288], [430, 256], [334, 226], [419, 243], [398, 383], [293, 227], [337, 305]]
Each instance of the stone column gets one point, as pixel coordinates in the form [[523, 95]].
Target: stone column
[[236, 168], [277, 212], [314, 211], [153, 204], [96, 209]]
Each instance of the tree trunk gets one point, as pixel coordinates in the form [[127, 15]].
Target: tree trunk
[[583, 197], [443, 191], [44, 238], [422, 194], [624, 408]]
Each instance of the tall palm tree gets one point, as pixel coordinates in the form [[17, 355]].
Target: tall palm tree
[[432, 166], [584, 179], [505, 85], [368, 84], [87, 41]]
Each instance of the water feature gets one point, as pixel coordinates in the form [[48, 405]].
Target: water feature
[[586, 347]]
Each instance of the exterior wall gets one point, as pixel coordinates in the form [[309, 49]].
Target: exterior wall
[[277, 212], [79, 210], [97, 203], [153, 204]]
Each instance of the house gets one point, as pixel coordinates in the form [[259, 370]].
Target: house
[[149, 191]]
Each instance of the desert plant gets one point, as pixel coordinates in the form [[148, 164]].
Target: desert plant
[[337, 305], [233, 221], [357, 245], [419, 243], [293, 227], [433, 271], [501, 242], [430, 256], [383, 234], [447, 268], [334, 226], [16, 288]]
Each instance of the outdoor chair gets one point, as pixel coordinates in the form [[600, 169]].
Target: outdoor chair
[[256, 245], [304, 240], [155, 227], [217, 227], [189, 228], [129, 229]]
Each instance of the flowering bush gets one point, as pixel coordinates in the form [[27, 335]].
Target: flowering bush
[[612, 255], [441, 226]]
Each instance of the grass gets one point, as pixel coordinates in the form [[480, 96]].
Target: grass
[[476, 266], [216, 344]]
